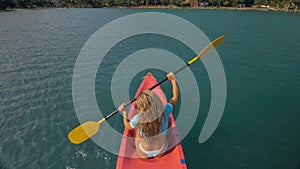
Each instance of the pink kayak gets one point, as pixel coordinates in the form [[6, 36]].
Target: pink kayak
[[174, 157]]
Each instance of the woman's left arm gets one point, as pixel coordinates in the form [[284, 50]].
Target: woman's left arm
[[122, 108]]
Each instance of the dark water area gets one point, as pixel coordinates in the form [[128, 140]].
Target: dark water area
[[260, 55]]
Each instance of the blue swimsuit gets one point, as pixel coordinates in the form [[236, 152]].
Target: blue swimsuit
[[134, 121], [169, 109]]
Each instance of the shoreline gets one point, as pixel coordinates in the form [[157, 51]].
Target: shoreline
[[168, 7], [202, 8]]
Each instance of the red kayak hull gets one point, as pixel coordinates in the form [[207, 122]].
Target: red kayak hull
[[128, 157]]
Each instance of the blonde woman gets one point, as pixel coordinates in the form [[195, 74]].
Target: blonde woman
[[151, 121]]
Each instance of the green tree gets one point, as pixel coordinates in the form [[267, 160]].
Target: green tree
[[6, 3], [165, 2]]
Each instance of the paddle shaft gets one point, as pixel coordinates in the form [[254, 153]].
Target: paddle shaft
[[154, 86]]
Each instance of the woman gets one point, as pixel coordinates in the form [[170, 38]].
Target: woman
[[151, 121]]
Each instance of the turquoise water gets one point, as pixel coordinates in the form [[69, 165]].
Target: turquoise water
[[260, 125]]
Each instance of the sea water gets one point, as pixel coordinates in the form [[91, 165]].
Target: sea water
[[260, 55]]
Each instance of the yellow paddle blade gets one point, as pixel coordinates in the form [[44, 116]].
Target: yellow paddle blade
[[84, 131], [207, 49]]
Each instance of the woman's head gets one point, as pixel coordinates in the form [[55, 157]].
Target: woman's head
[[151, 113]]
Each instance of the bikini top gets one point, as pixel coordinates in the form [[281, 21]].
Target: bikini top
[[168, 108]]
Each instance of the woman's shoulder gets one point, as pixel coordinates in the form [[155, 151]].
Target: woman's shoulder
[[134, 121], [169, 108]]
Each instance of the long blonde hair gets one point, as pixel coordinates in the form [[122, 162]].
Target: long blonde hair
[[151, 113]]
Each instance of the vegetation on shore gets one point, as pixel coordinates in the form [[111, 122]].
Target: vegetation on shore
[[234, 4]]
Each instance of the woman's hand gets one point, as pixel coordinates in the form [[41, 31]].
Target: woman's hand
[[171, 77], [122, 108]]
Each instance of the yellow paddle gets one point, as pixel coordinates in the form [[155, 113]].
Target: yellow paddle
[[90, 128]]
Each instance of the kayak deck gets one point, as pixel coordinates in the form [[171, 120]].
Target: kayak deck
[[174, 157]]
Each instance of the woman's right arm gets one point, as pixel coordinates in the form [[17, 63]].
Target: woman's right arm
[[175, 90]]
